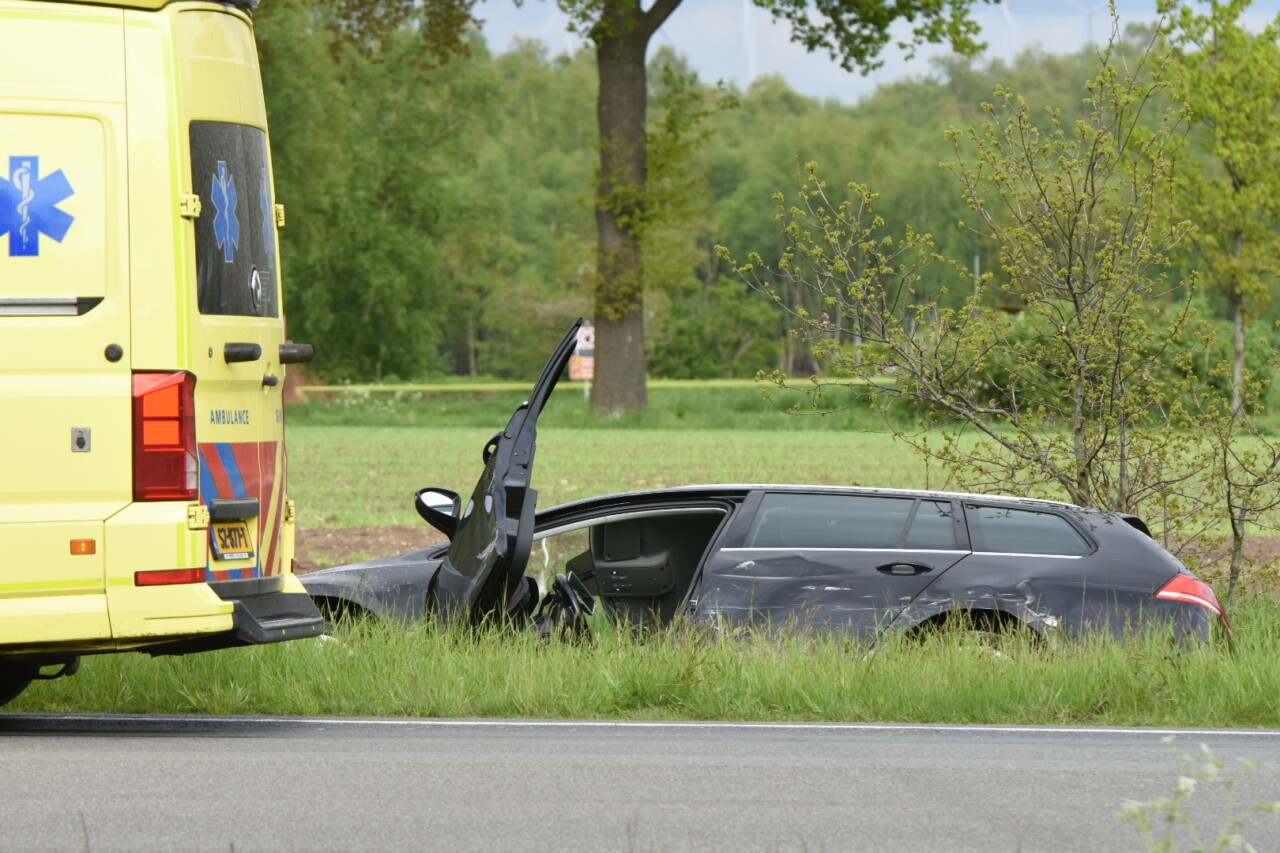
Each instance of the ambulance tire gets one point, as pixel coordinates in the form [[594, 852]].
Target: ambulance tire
[[12, 683]]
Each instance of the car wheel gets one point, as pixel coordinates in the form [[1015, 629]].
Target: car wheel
[[338, 614], [984, 632]]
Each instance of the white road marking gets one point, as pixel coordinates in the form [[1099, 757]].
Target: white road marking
[[675, 724]]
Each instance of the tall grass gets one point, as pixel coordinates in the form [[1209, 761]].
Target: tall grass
[[431, 671]]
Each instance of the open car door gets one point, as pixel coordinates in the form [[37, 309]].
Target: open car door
[[483, 574]]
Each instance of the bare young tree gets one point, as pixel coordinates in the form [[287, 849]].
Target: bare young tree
[[1077, 370]]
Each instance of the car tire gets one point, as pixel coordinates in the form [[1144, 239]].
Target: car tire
[[982, 631], [339, 614]]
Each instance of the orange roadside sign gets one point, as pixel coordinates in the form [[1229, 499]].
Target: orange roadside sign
[[582, 368]]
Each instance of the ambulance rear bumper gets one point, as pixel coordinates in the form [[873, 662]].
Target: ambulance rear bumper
[[271, 617], [282, 616]]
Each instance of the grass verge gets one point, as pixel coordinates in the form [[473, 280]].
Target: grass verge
[[430, 671]]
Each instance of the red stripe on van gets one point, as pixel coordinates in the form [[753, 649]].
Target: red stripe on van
[[212, 462], [273, 492], [256, 464]]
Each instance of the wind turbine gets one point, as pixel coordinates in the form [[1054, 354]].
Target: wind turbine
[[1015, 38], [1088, 12]]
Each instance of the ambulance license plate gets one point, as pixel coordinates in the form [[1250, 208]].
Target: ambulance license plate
[[231, 540]]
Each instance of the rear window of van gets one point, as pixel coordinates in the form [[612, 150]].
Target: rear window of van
[[236, 232]]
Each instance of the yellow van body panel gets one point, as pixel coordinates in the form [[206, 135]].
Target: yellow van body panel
[[106, 273], [157, 239], [66, 601], [156, 537]]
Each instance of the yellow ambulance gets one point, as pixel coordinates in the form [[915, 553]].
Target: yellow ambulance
[[142, 354]]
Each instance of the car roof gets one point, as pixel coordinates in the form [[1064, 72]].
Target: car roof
[[740, 490]]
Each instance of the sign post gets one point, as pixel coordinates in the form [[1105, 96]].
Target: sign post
[[582, 364]]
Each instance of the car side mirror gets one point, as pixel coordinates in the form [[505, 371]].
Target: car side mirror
[[440, 508]]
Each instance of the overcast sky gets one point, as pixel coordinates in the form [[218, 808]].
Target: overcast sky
[[734, 40]]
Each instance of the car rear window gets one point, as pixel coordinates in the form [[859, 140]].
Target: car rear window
[[829, 521], [235, 232], [1014, 531]]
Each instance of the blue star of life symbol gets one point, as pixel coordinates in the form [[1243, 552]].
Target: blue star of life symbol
[[225, 225], [29, 206]]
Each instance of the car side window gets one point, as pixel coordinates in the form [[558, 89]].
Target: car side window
[[1015, 531], [933, 528], [829, 521]]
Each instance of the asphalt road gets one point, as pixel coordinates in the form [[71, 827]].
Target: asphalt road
[[121, 783]]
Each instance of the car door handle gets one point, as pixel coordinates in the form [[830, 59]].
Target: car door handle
[[296, 353], [233, 352], [904, 569]]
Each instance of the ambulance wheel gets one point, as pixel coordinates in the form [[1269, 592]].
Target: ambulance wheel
[[12, 683]]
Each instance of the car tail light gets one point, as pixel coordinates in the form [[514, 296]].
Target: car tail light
[[162, 577], [1193, 591], [164, 437]]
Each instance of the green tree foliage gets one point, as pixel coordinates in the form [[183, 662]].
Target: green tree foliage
[[1229, 182], [371, 169], [522, 261], [496, 254], [431, 228], [894, 137], [853, 31]]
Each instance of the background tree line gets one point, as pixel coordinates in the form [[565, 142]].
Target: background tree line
[[447, 229]]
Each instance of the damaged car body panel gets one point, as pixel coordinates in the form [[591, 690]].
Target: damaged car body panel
[[853, 560], [481, 573], [830, 561], [388, 588], [1062, 571], [636, 552]]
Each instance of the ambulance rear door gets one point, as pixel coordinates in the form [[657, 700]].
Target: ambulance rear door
[[237, 327]]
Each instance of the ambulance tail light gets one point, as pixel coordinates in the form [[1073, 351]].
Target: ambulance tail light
[[164, 437], [165, 577]]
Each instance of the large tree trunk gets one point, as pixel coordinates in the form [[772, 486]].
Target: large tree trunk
[[621, 36]]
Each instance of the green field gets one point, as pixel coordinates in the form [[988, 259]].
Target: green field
[[366, 476], [355, 459]]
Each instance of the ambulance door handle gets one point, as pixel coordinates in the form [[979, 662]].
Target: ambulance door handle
[[233, 352], [270, 381], [296, 353]]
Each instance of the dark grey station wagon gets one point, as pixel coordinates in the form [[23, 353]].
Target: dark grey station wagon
[[852, 560]]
